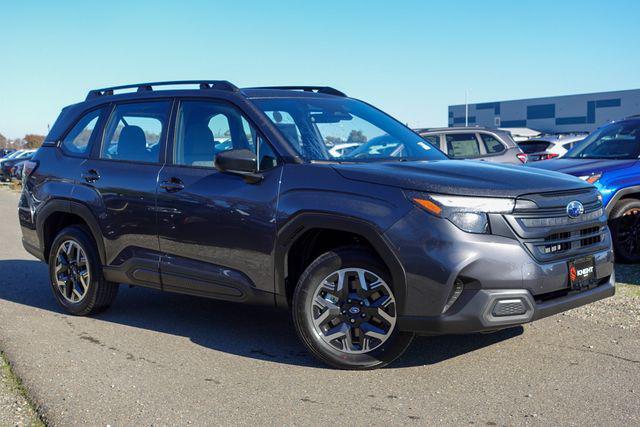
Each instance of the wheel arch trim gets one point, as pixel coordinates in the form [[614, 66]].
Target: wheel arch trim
[[619, 195], [307, 221], [74, 208]]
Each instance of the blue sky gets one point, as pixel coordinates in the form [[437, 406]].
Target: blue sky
[[410, 58]]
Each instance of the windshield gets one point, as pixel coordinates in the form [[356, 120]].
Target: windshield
[[614, 141], [344, 129]]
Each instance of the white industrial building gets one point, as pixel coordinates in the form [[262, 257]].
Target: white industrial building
[[570, 113]]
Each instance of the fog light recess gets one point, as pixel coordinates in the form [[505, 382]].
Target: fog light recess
[[456, 291]]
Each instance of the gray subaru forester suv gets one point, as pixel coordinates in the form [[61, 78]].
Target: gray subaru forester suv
[[233, 194]]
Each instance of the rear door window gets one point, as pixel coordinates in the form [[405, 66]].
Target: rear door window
[[135, 132], [463, 145]]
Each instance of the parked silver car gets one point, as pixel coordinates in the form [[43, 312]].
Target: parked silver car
[[478, 143]]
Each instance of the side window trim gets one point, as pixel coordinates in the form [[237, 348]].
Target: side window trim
[[97, 147], [172, 139], [97, 131]]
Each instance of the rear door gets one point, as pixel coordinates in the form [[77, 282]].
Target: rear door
[[217, 231], [119, 184]]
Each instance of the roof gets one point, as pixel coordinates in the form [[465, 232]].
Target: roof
[[456, 128], [196, 88]]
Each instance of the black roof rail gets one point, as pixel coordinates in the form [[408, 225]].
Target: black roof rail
[[319, 89], [144, 87]]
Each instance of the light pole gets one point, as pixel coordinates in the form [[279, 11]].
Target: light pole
[[466, 108]]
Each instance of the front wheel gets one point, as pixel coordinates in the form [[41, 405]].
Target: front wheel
[[345, 311]]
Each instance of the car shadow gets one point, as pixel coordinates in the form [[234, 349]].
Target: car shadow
[[256, 332]]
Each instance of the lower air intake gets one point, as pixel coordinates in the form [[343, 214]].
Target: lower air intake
[[509, 307]]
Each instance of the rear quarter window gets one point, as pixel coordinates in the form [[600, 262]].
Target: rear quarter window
[[76, 142], [491, 144]]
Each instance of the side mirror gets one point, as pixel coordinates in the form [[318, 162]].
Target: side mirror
[[239, 162]]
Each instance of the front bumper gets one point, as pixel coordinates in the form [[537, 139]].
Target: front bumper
[[434, 254], [478, 314]]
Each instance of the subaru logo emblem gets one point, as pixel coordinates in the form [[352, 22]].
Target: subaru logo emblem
[[354, 310], [575, 209]]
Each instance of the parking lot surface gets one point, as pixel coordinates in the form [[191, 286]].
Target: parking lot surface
[[165, 359]]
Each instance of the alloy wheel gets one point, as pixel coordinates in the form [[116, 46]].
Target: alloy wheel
[[353, 310], [629, 232], [72, 274]]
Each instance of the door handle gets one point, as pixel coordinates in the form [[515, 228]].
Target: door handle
[[91, 175], [173, 185]]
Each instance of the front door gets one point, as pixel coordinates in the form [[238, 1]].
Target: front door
[[216, 230]]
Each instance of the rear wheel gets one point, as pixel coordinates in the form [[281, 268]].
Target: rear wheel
[[76, 273], [625, 230], [345, 311]]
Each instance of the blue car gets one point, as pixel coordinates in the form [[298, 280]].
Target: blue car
[[608, 159]]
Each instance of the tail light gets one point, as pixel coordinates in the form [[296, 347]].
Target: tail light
[[547, 156], [29, 167], [522, 157]]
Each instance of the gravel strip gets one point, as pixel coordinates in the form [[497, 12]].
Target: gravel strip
[[15, 409], [623, 310]]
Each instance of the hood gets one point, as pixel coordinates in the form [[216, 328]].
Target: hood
[[581, 167], [11, 161], [461, 177]]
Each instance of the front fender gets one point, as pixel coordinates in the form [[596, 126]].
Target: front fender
[[306, 221]]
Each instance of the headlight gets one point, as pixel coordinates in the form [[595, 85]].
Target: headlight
[[591, 179], [467, 213]]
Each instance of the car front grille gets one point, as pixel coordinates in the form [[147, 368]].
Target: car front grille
[[550, 234], [563, 242]]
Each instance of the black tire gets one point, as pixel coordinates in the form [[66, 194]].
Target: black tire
[[99, 293], [302, 311], [624, 222]]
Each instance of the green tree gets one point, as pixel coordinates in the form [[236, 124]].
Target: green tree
[[333, 140], [357, 136], [33, 141], [3, 141]]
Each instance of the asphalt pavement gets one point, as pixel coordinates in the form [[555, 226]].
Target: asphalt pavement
[[164, 359]]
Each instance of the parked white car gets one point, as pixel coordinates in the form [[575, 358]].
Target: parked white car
[[549, 146], [341, 150], [522, 134]]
